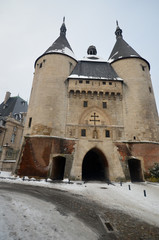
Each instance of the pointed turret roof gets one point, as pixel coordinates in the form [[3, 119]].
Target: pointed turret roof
[[61, 45], [122, 49]]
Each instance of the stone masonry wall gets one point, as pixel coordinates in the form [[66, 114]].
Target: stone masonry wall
[[35, 154], [148, 153]]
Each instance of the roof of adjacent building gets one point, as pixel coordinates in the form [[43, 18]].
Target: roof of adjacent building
[[122, 49], [13, 106], [93, 67], [61, 45]]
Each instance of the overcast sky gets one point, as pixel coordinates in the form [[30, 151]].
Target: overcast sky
[[29, 27]]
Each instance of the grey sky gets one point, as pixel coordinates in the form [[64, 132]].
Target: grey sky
[[29, 27]]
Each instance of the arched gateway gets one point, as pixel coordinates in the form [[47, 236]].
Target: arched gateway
[[135, 170], [58, 168], [95, 166]]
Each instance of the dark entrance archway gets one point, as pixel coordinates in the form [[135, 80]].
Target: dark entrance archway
[[58, 168], [135, 170], [95, 166]]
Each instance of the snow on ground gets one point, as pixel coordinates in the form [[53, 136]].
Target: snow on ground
[[114, 195], [23, 217]]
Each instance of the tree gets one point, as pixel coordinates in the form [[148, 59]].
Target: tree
[[154, 171]]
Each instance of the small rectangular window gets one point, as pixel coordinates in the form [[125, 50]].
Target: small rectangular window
[[40, 65], [13, 138], [85, 104], [83, 132], [104, 83], [87, 81], [110, 83], [80, 81], [104, 105], [107, 133], [143, 67], [14, 129], [70, 66], [150, 90], [30, 120]]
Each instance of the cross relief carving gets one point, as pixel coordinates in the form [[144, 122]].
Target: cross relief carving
[[94, 116], [94, 119]]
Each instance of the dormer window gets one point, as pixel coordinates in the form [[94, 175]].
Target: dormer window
[[17, 116], [23, 103], [1, 122], [5, 106]]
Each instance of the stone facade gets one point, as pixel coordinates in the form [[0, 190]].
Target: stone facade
[[48, 86], [10, 142], [12, 118], [90, 119]]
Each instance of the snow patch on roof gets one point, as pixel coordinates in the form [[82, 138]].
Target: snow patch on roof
[[112, 59], [133, 56], [120, 57], [93, 58], [92, 77], [65, 51]]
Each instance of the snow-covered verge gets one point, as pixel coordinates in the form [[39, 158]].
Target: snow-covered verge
[[115, 196]]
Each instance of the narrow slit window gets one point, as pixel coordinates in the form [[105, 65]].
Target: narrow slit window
[[143, 67], [30, 120]]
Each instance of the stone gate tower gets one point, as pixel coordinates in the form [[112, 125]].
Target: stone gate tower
[[48, 101], [139, 107], [90, 119]]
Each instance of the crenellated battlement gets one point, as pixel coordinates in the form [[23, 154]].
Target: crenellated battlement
[[95, 89], [95, 94]]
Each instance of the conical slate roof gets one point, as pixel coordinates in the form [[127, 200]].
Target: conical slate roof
[[61, 45], [122, 49]]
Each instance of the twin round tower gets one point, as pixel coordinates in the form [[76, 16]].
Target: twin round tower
[[90, 119]]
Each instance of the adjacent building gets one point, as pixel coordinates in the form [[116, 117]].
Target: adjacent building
[[12, 117]]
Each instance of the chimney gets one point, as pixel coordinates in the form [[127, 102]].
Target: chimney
[[7, 96]]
